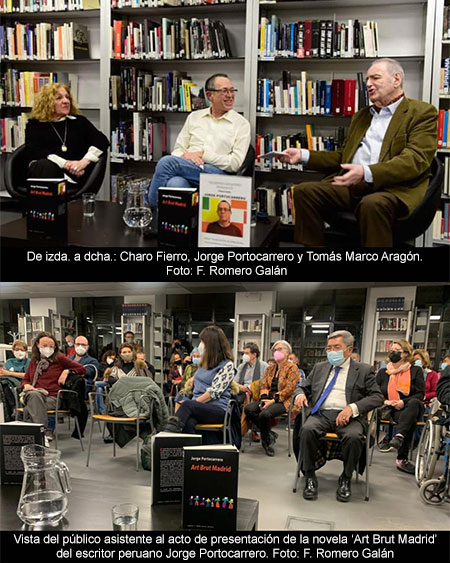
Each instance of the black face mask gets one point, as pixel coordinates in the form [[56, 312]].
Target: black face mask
[[395, 356]]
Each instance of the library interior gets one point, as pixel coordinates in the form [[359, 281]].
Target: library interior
[[143, 349], [296, 76]]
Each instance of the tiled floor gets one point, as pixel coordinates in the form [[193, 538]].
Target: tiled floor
[[394, 497]]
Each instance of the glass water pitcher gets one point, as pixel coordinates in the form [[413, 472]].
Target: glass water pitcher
[[137, 212], [46, 482]]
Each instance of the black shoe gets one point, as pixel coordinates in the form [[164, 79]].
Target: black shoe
[[344, 491], [268, 448], [174, 424], [273, 437], [108, 440], [311, 489], [397, 441], [405, 466]]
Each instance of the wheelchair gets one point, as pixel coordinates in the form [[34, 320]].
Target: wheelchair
[[429, 444], [435, 491]]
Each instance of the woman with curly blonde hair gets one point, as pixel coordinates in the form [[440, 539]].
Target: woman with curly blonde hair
[[58, 138]]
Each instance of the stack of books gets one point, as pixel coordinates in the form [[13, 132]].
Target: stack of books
[[141, 90], [170, 39], [441, 224], [317, 39], [277, 201], [12, 132]]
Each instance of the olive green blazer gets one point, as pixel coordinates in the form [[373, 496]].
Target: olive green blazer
[[406, 153]]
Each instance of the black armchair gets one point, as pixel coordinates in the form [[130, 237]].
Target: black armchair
[[344, 222], [247, 167], [16, 169]]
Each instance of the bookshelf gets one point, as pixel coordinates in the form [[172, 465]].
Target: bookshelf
[[31, 325], [414, 52], [249, 327], [162, 338], [136, 317], [63, 325], [393, 321], [421, 327], [276, 331], [440, 231]]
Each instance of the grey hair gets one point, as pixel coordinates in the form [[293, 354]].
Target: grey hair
[[284, 343], [392, 67], [346, 336]]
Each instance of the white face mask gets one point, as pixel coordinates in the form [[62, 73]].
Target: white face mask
[[80, 350], [109, 361], [246, 359], [20, 354], [46, 352], [201, 348]]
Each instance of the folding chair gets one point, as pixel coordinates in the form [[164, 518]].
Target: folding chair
[[225, 426]]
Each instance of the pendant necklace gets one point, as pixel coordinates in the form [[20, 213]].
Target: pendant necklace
[[63, 146]]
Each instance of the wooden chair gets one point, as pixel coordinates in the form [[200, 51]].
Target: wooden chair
[[225, 426], [57, 413], [113, 420], [334, 438]]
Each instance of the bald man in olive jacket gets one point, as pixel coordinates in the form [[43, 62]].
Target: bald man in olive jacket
[[383, 169]]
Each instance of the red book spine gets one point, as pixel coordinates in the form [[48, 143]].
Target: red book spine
[[349, 96], [337, 97], [441, 128], [307, 38], [117, 39]]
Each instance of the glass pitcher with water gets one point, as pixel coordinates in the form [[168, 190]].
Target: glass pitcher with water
[[46, 482], [137, 212]]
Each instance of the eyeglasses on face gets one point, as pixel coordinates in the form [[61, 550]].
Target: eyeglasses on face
[[224, 91], [335, 348]]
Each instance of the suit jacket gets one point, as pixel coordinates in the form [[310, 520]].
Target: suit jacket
[[361, 387], [406, 153]]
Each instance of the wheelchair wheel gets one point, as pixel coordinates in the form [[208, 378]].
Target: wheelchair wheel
[[427, 452], [433, 491]]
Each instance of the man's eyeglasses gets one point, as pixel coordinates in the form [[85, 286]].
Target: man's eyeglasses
[[224, 91]]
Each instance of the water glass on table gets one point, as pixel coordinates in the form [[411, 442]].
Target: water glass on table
[[88, 204], [125, 517]]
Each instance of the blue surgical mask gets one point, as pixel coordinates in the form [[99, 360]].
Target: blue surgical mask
[[418, 363], [335, 357], [443, 366], [196, 361]]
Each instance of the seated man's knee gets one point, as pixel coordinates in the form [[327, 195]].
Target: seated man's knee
[[178, 182], [165, 162]]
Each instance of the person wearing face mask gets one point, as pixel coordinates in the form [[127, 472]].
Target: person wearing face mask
[[445, 363], [128, 337], [422, 360], [46, 373], [337, 396], [126, 365], [17, 366], [403, 386], [70, 345], [186, 386], [82, 357], [212, 384], [175, 375], [107, 360], [277, 388]]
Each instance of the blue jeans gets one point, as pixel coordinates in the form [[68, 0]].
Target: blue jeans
[[176, 172], [99, 398]]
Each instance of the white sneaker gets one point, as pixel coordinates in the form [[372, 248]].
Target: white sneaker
[[46, 442]]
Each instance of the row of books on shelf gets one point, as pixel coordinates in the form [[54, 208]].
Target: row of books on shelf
[[12, 132], [163, 321], [44, 41], [390, 303], [161, 3], [443, 129], [135, 309], [393, 323], [444, 76], [446, 184], [277, 202], [134, 327], [144, 138], [195, 38], [19, 88], [251, 325], [441, 223], [446, 23], [34, 6], [141, 90], [384, 345], [317, 39], [311, 97]]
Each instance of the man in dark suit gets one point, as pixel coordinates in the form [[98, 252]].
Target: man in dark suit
[[337, 395], [383, 169]]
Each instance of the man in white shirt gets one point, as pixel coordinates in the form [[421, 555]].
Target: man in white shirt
[[383, 169], [251, 369], [337, 395], [213, 141]]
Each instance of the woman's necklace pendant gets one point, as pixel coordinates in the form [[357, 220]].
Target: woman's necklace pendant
[[64, 148]]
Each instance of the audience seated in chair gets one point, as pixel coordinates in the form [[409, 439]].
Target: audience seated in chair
[[337, 395], [89, 362]]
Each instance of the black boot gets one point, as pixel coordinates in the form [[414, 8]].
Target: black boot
[[344, 490], [268, 448], [174, 424]]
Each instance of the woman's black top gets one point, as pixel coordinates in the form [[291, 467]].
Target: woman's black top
[[417, 389], [41, 139]]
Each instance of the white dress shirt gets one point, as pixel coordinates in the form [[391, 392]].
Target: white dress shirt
[[224, 141], [368, 151], [337, 399]]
